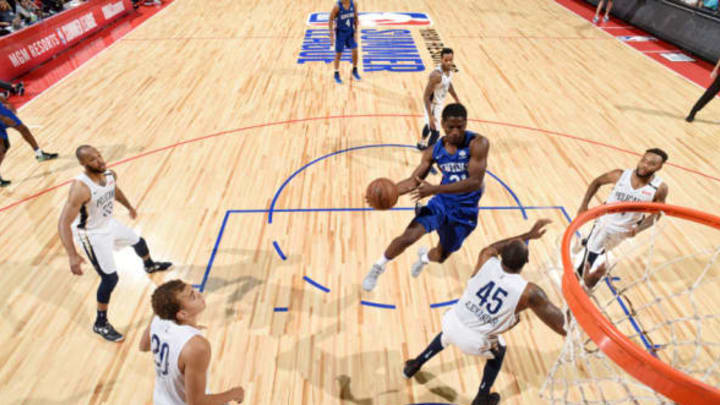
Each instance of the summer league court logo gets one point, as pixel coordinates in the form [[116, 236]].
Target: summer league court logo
[[376, 19], [387, 48]]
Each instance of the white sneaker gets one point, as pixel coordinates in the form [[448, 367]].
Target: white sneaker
[[370, 280], [595, 19], [417, 267], [606, 19]]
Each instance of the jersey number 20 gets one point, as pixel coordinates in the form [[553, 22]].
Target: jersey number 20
[[160, 351], [494, 300]]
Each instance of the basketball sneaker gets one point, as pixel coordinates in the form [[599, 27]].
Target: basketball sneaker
[[417, 267], [355, 74], [108, 332], [606, 19], [338, 80], [370, 280], [486, 399], [157, 266], [4, 183], [43, 156], [411, 368], [595, 19], [20, 89]]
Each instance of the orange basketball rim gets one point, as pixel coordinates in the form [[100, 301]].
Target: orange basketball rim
[[619, 348]]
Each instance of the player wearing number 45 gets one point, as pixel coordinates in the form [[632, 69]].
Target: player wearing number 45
[[493, 299], [180, 351], [453, 210]]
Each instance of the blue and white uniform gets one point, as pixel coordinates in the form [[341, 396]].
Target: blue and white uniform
[[345, 27], [453, 216]]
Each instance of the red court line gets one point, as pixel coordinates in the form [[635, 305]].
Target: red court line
[[293, 121]]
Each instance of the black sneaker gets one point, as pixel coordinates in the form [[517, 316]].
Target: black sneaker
[[486, 399], [20, 89], [690, 118], [4, 183], [108, 332], [157, 266], [411, 367], [46, 156]]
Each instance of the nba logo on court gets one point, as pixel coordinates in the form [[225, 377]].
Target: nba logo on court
[[377, 19]]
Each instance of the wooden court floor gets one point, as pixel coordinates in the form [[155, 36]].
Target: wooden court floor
[[207, 115]]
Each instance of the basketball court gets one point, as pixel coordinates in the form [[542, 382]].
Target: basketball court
[[248, 167]]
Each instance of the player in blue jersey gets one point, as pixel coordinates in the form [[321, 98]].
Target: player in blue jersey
[[8, 119], [452, 212], [343, 24]]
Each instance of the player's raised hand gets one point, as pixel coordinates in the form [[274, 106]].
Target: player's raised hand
[[538, 230], [75, 264], [423, 189]]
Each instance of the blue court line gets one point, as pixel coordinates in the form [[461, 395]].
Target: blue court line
[[365, 209], [214, 252], [387, 145], [321, 158], [316, 284], [280, 252], [512, 193], [280, 309], [634, 323], [377, 305], [443, 304]]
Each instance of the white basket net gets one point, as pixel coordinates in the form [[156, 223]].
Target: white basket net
[[662, 291]]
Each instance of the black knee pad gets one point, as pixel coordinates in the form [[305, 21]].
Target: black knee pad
[[589, 258], [425, 131], [434, 137], [499, 352], [107, 285], [141, 248]]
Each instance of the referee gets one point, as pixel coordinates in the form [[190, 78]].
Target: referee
[[711, 92]]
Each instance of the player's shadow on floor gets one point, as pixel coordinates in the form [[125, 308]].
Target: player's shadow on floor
[[307, 358], [665, 114], [111, 153], [71, 400]]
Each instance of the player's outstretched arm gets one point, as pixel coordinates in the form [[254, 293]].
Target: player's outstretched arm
[[536, 232], [650, 220], [196, 358], [607, 178], [551, 315], [79, 195], [479, 149], [120, 197], [420, 172]]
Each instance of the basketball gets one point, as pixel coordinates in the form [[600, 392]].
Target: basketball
[[382, 194]]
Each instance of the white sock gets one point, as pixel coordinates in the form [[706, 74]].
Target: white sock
[[382, 261], [424, 258], [38, 152]]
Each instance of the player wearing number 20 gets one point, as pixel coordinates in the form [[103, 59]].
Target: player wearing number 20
[[494, 297], [181, 353], [453, 210]]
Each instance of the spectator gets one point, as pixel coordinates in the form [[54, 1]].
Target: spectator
[[710, 4], [608, 7], [29, 12], [8, 19], [9, 89]]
